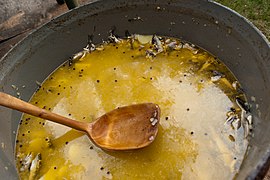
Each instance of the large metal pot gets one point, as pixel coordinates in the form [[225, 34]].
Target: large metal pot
[[209, 25]]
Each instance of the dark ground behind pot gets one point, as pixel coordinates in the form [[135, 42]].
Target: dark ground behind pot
[[206, 24]]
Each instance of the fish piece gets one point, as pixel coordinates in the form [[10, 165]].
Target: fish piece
[[35, 166], [26, 162], [157, 44]]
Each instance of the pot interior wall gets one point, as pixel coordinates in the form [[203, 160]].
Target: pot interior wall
[[206, 24]]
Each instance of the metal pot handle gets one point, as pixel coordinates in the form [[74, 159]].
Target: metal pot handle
[[70, 3]]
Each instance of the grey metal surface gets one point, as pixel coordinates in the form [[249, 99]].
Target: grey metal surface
[[215, 28]]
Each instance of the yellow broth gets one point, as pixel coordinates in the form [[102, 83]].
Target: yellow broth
[[193, 139]]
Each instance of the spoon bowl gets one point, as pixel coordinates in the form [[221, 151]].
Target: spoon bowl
[[124, 128], [129, 127]]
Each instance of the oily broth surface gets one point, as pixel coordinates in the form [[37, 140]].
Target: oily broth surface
[[192, 137]]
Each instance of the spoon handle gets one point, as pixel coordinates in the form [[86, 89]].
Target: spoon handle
[[22, 106]]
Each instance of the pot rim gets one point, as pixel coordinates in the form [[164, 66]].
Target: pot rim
[[260, 169]]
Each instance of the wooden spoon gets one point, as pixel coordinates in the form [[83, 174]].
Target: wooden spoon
[[124, 128]]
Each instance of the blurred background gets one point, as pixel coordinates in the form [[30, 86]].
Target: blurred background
[[19, 17]]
